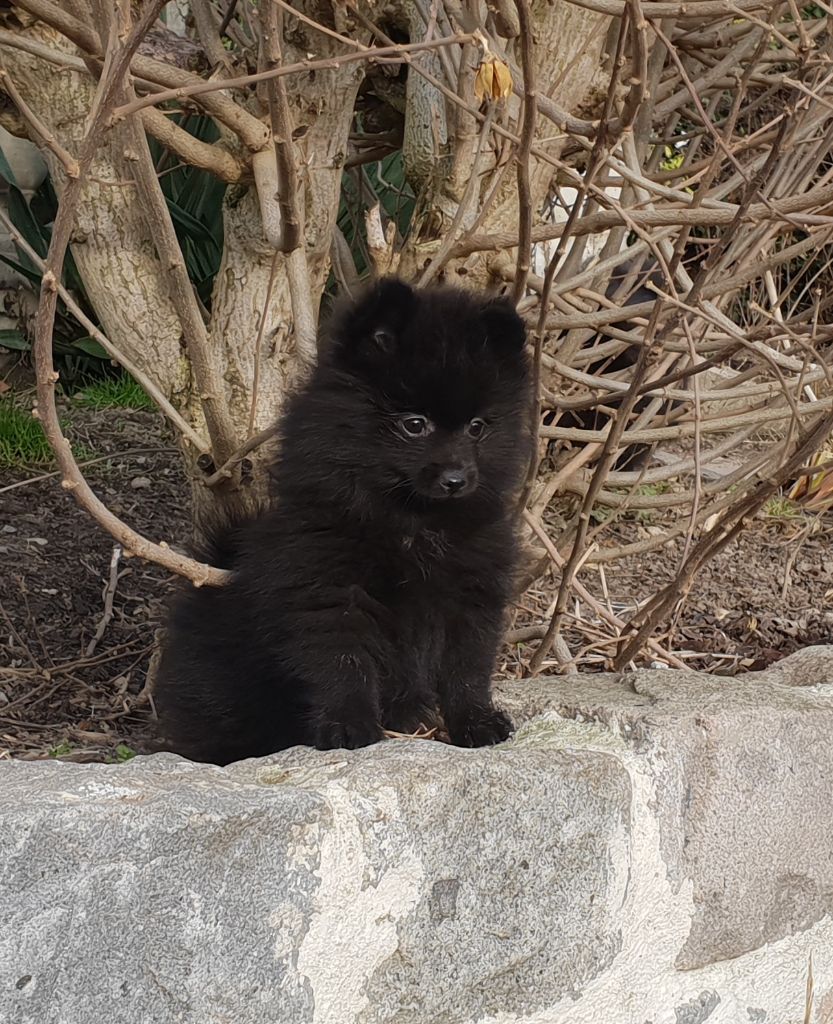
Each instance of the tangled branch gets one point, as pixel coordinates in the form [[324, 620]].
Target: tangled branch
[[668, 235]]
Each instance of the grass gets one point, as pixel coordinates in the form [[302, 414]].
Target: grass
[[782, 508], [120, 392], [22, 440], [23, 444]]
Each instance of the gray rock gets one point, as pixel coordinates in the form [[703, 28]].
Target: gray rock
[[656, 846], [744, 777], [159, 890]]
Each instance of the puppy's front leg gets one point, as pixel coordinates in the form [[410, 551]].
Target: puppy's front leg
[[465, 681], [336, 651]]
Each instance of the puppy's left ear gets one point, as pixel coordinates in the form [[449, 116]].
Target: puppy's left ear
[[505, 331]]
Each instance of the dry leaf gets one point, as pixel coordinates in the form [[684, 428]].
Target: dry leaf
[[821, 493], [711, 522], [483, 80], [493, 80], [502, 83], [815, 490]]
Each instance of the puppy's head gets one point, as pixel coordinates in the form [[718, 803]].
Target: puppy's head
[[446, 381]]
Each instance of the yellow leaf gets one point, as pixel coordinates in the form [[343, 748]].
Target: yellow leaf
[[502, 83], [797, 489], [493, 80], [483, 80], [821, 496]]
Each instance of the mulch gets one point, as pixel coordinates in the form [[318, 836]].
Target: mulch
[[64, 687]]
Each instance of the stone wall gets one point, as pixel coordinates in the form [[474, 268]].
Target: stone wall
[[652, 847]]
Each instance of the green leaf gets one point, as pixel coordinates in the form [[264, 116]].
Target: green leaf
[[14, 339], [31, 275], [189, 225], [91, 347], [6, 170], [21, 216]]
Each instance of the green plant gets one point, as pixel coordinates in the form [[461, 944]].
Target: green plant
[[194, 199], [122, 754], [195, 202], [117, 392], [77, 353], [61, 750], [780, 507], [22, 440]]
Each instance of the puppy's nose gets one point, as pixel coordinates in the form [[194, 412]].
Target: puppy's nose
[[452, 481]]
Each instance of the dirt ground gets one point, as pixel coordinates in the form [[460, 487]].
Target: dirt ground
[[77, 629]]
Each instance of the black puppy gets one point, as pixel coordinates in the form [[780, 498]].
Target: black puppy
[[374, 591]]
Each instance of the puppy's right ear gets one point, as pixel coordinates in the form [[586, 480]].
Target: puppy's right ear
[[371, 326], [505, 330]]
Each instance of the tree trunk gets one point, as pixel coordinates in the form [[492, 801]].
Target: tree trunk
[[128, 286]]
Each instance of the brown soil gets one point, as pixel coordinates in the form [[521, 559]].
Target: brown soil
[[62, 692]]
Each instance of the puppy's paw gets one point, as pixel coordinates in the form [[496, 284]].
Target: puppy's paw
[[480, 727], [347, 735]]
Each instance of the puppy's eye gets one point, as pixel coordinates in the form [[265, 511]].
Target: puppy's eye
[[415, 426], [476, 427]]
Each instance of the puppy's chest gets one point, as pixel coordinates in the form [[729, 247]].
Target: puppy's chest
[[425, 556]]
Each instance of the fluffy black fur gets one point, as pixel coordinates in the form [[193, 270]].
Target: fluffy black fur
[[374, 591]]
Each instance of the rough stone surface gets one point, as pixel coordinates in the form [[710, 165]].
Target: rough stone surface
[[744, 781], [652, 847]]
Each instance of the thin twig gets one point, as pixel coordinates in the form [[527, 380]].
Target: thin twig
[[210, 389], [109, 595], [525, 199], [38, 130], [388, 54]]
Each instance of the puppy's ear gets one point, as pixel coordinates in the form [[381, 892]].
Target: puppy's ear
[[371, 326], [505, 331]]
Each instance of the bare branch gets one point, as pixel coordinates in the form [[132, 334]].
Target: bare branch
[[132, 368], [209, 383], [196, 88], [523, 154]]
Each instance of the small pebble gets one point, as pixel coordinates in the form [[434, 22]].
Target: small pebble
[[140, 483], [8, 528], [42, 541]]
